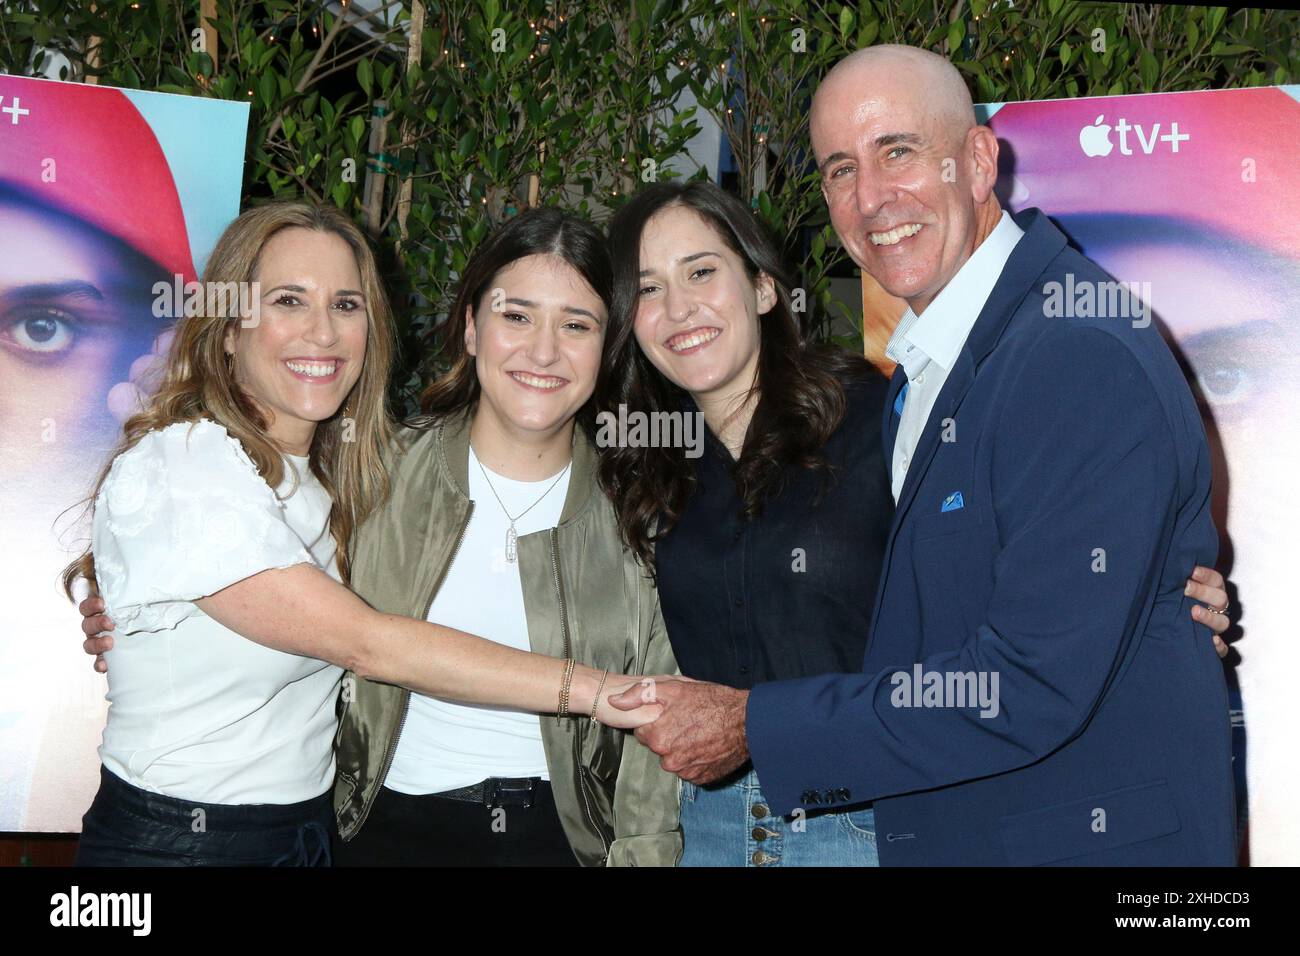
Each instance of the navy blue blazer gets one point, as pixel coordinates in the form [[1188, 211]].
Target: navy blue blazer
[[1057, 500]]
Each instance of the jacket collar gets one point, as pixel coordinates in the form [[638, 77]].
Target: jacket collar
[[454, 451]]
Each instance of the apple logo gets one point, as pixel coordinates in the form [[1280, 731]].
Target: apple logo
[[1095, 139]]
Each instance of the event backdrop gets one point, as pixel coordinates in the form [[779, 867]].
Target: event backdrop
[[1194, 199], [103, 194]]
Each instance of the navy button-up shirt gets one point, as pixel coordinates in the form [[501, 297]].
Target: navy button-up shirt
[[789, 594]]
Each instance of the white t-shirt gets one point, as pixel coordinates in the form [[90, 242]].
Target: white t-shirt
[[195, 710], [445, 745]]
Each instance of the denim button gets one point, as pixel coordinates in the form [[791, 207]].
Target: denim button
[[759, 858], [759, 810], [760, 834]]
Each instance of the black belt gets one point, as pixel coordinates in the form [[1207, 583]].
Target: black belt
[[498, 792]]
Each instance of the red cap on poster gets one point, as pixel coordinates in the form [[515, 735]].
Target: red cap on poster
[[108, 168]]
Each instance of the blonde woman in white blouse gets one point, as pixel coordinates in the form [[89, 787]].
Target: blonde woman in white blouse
[[219, 544]]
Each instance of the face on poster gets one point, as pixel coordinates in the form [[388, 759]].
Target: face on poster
[[1192, 199], [104, 194]]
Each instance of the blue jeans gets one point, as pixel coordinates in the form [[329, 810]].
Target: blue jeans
[[732, 825], [128, 826]]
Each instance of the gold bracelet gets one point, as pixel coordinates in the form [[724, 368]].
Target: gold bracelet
[[569, 665], [595, 702]]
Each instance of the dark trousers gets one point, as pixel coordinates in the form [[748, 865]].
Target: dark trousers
[[128, 826], [430, 830]]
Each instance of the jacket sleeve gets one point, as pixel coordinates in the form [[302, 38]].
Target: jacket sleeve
[[646, 797], [1082, 460]]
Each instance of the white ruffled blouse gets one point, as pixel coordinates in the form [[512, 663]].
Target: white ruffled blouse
[[196, 710]]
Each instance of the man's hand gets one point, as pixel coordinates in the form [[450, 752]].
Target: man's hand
[[93, 622], [701, 734], [1207, 586]]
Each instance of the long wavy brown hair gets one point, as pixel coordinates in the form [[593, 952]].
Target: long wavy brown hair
[[197, 382], [801, 399]]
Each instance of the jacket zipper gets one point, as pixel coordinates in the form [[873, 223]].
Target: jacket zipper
[[406, 694], [568, 652]]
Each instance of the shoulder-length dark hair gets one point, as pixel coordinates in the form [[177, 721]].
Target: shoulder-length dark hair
[[800, 389], [543, 231]]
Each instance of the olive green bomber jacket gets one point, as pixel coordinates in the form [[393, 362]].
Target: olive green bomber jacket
[[585, 596]]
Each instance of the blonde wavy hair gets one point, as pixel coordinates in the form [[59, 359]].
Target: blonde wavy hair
[[198, 382]]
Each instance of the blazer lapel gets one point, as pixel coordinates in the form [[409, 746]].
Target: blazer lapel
[[945, 406], [1041, 243], [890, 421]]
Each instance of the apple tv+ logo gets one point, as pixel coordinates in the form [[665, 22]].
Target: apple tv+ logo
[[1095, 140]]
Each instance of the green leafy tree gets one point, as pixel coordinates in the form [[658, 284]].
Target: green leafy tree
[[431, 121]]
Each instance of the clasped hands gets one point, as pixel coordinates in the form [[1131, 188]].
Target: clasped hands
[[696, 728], [699, 730]]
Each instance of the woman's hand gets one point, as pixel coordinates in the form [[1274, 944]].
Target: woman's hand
[[611, 716], [93, 621], [1207, 586]]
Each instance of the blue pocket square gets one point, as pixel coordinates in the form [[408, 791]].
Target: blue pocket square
[[952, 502]]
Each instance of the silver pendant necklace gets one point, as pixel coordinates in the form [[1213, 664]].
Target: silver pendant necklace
[[512, 537]]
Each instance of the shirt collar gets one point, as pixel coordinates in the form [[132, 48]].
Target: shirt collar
[[938, 334]]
